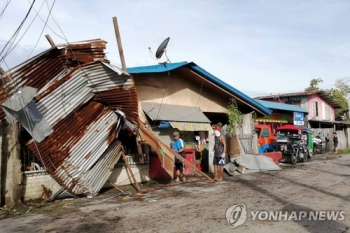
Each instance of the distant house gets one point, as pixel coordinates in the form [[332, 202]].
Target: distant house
[[319, 105], [282, 114]]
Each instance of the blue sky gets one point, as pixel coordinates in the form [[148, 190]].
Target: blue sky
[[259, 47]]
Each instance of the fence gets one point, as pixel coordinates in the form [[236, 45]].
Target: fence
[[343, 140], [249, 143], [247, 136]]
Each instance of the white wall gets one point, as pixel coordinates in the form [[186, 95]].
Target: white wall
[[32, 181], [32, 184], [120, 175]]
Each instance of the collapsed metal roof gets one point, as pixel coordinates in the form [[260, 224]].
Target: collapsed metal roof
[[73, 103]]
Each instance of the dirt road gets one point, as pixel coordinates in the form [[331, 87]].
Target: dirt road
[[199, 206]]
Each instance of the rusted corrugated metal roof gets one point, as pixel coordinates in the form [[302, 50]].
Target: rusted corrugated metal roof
[[83, 98]]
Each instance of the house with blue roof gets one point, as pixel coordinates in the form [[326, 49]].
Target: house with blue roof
[[185, 97], [266, 126], [283, 114]]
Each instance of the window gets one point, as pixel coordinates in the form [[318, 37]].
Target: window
[[315, 108], [265, 133], [328, 113], [293, 102]]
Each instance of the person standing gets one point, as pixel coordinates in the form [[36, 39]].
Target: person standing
[[335, 142], [327, 139], [219, 154], [178, 146]]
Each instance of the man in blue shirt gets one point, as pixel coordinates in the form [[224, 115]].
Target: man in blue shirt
[[178, 146]]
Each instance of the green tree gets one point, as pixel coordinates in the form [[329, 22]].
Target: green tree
[[314, 84], [340, 93], [340, 98], [235, 117]]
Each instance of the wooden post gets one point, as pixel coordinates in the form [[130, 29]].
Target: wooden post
[[119, 42], [130, 171], [115, 186], [49, 39]]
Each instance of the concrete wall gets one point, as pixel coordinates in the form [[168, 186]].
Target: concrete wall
[[33, 181], [32, 184], [11, 174], [120, 175], [176, 90]]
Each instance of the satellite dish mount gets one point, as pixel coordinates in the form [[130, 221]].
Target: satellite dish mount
[[162, 50]]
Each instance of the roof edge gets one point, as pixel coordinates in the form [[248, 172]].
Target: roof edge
[[193, 66]]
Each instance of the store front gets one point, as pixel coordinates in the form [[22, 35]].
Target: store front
[[275, 120], [194, 128]]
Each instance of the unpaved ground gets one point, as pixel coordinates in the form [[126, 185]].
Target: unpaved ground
[[199, 206]]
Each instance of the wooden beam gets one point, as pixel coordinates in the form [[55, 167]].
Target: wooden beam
[[2, 72], [119, 42], [130, 171], [49, 39], [115, 186]]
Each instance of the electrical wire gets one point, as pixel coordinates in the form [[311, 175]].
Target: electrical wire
[[37, 14], [31, 127], [14, 36], [47, 19], [161, 103], [86, 76], [3, 11], [44, 21]]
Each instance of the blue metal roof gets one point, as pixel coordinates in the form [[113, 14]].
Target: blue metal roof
[[191, 65], [280, 106]]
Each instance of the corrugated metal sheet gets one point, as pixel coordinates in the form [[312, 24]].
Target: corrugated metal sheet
[[169, 112], [280, 106], [83, 99]]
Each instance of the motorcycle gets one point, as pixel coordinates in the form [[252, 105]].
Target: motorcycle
[[319, 145], [299, 153]]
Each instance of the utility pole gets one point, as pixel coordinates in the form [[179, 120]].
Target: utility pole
[[119, 42]]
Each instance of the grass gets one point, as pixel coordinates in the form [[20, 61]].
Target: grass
[[32, 207], [344, 151]]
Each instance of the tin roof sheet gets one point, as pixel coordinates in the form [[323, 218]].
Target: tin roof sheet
[[280, 106], [84, 99], [169, 112]]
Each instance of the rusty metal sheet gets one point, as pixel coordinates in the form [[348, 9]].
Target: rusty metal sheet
[[84, 99]]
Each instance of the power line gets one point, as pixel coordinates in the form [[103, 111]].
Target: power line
[[47, 19], [44, 21], [14, 36], [37, 14], [3, 11]]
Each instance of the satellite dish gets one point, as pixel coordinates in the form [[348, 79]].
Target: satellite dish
[[162, 49]]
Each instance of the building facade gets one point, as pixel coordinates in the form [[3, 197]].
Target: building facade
[[319, 105]]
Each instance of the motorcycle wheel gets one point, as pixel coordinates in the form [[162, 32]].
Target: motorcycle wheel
[[294, 158], [306, 156]]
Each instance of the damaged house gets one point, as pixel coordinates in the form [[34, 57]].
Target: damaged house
[[72, 104]]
